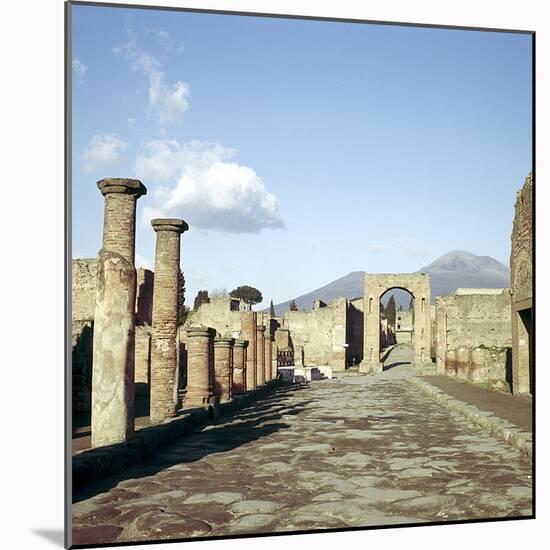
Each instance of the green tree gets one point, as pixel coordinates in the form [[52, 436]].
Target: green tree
[[271, 309], [182, 311], [247, 294]]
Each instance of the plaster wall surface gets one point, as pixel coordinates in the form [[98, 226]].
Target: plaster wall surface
[[321, 332]]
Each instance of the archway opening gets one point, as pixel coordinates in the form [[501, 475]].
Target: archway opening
[[396, 318]]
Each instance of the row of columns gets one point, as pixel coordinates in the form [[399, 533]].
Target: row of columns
[[218, 367]]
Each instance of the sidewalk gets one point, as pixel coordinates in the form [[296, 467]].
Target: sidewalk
[[512, 408]]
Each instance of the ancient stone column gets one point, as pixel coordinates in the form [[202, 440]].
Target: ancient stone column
[[119, 225], [239, 366], [112, 414], [248, 332], [199, 384], [274, 353], [260, 353], [223, 367], [164, 358], [267, 357]]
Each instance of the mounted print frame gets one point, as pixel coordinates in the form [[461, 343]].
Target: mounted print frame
[[301, 276]]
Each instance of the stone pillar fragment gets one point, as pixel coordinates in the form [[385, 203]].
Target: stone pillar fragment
[[274, 354], [260, 353], [223, 368], [114, 348], [112, 411], [248, 332], [164, 352], [199, 383], [239, 366], [267, 357]]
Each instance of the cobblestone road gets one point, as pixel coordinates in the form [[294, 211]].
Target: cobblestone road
[[355, 451]]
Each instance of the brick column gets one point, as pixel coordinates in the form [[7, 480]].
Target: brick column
[[164, 359], [260, 353], [119, 223], [223, 368], [239, 366], [199, 384], [112, 414], [274, 354], [248, 332], [267, 357]]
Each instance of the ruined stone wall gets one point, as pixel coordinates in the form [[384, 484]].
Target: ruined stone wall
[[321, 332], [218, 315], [84, 276], [470, 325], [84, 283], [521, 266]]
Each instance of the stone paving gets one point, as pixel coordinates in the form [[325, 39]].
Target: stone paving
[[347, 452]]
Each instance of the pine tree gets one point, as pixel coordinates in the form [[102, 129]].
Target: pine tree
[[271, 309], [182, 313]]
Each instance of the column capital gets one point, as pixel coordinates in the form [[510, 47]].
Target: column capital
[[260, 328], [200, 331], [169, 224], [125, 186], [241, 343], [223, 342]]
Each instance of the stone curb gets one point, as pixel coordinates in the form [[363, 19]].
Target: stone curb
[[96, 464], [508, 432]]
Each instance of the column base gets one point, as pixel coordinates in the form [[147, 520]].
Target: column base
[[197, 398], [371, 368]]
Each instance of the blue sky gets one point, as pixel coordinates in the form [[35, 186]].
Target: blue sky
[[299, 151]]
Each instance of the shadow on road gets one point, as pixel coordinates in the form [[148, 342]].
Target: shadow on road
[[251, 423], [396, 364]]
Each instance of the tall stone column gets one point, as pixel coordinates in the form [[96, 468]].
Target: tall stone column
[[267, 357], [164, 353], [260, 353], [274, 354], [112, 416], [199, 383], [223, 368], [239, 366], [248, 332]]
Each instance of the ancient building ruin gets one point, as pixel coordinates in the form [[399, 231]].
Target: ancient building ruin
[[473, 336], [376, 285], [521, 266]]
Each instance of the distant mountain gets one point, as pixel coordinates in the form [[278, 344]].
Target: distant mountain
[[456, 269], [463, 269]]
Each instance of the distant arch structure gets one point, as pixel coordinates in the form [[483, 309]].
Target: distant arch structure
[[377, 284]]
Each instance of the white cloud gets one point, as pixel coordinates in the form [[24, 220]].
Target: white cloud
[[79, 69], [102, 151], [403, 247], [169, 101], [210, 191]]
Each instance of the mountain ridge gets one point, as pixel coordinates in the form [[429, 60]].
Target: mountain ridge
[[455, 269]]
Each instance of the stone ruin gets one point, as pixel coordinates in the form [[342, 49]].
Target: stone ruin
[[126, 340]]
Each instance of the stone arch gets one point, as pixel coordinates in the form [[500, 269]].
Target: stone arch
[[418, 285]]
